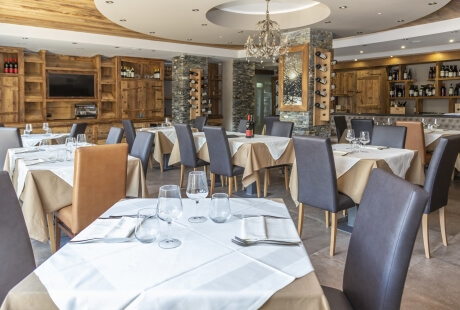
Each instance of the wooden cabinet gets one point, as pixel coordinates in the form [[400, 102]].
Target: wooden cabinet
[[108, 88], [9, 99], [369, 89], [344, 83], [34, 87], [141, 98]]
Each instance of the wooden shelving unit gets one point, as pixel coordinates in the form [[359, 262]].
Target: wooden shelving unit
[[11, 87], [196, 93], [321, 116], [215, 88]]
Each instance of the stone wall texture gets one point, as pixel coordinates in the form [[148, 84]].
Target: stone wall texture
[[303, 122], [181, 66], [243, 91]]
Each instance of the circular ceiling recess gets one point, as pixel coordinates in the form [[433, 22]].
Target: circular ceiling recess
[[289, 14]]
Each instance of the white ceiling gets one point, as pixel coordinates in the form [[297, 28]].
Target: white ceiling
[[224, 22]]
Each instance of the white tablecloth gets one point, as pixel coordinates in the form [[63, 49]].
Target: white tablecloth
[[207, 271], [34, 139], [169, 132], [433, 135]]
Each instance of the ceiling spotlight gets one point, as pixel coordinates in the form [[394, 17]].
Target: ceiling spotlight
[[359, 32], [405, 39], [361, 52], [117, 47], [204, 25], [391, 56], [327, 22], [240, 31], [152, 32], [122, 20], [343, 7], [403, 46], [25, 38], [400, 20], [195, 10], [379, 13], [74, 42], [356, 59], [451, 40], [432, 3], [189, 39], [109, 2]]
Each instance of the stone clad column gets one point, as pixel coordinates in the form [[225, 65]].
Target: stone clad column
[[243, 91]]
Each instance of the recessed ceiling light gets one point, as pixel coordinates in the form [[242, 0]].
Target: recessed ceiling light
[[327, 22], [405, 39], [361, 52], [359, 32], [343, 7], [153, 50], [109, 2], [240, 31], [432, 3], [117, 47], [364, 44], [122, 20], [403, 46], [74, 42], [204, 25], [230, 43], [189, 39], [152, 32], [356, 59], [451, 40], [400, 20], [391, 56], [195, 10], [25, 38], [379, 13]]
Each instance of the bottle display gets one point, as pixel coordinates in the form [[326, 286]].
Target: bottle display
[[321, 93], [321, 68], [320, 105], [321, 55], [249, 127], [6, 66], [321, 80]]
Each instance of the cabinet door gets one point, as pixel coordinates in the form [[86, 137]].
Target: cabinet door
[[154, 105], [368, 91], [129, 99], [344, 84], [9, 99]]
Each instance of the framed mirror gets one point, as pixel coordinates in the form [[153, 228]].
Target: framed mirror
[[293, 79]]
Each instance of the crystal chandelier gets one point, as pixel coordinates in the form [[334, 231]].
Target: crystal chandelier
[[268, 35]]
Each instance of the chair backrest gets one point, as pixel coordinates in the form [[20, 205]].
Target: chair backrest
[[141, 148], [390, 136], [200, 121], [439, 173], [130, 133], [359, 125], [16, 255], [415, 138], [115, 135], [219, 150], [77, 129], [341, 126], [269, 123], [9, 138], [242, 125], [187, 148], [95, 192], [316, 170], [282, 129], [1, 125], [382, 241]]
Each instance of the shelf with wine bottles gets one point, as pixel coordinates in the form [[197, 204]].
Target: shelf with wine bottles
[[196, 92], [322, 86]]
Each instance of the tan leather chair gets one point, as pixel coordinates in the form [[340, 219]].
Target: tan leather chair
[[99, 182], [415, 139]]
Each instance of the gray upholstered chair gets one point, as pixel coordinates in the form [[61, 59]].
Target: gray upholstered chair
[[16, 255], [142, 147], [381, 245], [10, 138], [130, 133], [341, 126], [77, 129], [200, 122], [279, 129], [390, 136], [269, 123], [437, 183], [359, 125], [242, 126], [318, 181], [221, 159], [1, 125], [115, 135], [188, 156]]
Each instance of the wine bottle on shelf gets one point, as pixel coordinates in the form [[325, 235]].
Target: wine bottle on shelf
[[443, 90], [204, 94], [451, 90], [442, 72], [6, 66], [204, 77], [321, 55], [10, 66], [332, 86], [249, 127], [204, 101], [193, 98], [399, 92], [321, 93], [411, 91], [193, 106], [333, 74], [193, 73], [321, 80], [430, 73], [15, 66], [332, 98], [321, 68], [204, 85], [193, 90], [392, 92], [320, 105], [409, 75], [451, 71], [334, 62], [455, 71], [132, 72], [192, 81], [405, 75], [390, 75], [433, 91]]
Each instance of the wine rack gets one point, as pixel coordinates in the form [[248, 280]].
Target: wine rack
[[322, 86], [196, 93]]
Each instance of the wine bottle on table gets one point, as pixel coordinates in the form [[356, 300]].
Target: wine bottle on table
[[248, 127], [253, 125]]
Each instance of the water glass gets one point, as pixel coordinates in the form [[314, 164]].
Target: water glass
[[389, 122], [61, 154], [46, 128], [44, 144], [28, 129], [220, 210], [81, 139], [147, 225], [70, 148]]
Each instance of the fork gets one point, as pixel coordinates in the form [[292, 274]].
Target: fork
[[243, 242], [104, 240]]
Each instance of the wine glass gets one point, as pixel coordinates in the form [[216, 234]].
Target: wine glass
[[365, 139], [81, 139], [423, 122], [350, 136], [28, 129], [197, 188], [169, 208], [389, 121], [435, 123], [70, 147], [46, 128]]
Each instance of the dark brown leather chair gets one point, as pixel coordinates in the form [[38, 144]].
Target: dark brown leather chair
[[242, 126], [269, 120], [77, 129], [279, 129], [115, 135], [415, 139], [221, 158], [10, 138], [200, 122], [381, 245], [341, 126], [93, 192], [359, 125], [142, 148], [318, 181], [437, 184], [16, 255], [188, 156], [130, 133], [389, 136]]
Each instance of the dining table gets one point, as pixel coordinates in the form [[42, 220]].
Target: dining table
[[432, 137], [207, 271], [253, 154], [164, 140], [29, 140], [43, 183]]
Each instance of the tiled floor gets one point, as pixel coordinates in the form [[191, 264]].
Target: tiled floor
[[431, 283]]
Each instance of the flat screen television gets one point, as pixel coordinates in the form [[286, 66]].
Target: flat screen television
[[69, 85]]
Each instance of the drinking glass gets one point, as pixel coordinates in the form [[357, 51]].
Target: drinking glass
[[70, 147], [389, 121], [44, 144], [435, 123], [365, 138], [197, 188], [46, 128], [423, 122], [28, 129], [147, 225], [81, 139], [169, 208], [220, 210], [350, 137]]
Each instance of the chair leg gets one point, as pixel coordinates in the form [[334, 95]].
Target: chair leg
[[344, 212], [57, 235], [300, 222], [333, 234], [426, 238], [442, 220], [326, 213], [267, 176], [195, 169], [182, 170], [286, 177], [213, 180], [268, 171], [235, 179], [51, 232], [258, 184], [205, 169], [230, 187]]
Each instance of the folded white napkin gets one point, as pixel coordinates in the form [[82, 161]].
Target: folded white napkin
[[33, 161], [376, 147], [264, 228], [109, 228], [26, 150], [340, 153]]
